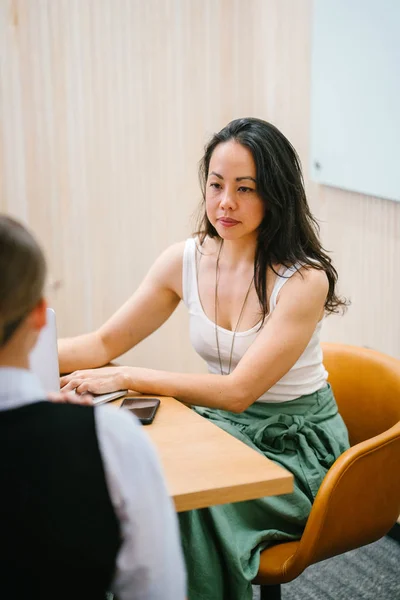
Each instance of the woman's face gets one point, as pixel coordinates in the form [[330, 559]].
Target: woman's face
[[233, 204]]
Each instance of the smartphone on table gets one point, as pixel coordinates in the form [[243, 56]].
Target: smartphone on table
[[144, 407]]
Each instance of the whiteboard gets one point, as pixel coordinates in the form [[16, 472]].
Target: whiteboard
[[355, 96]]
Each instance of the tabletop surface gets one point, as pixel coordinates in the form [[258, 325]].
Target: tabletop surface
[[205, 465]]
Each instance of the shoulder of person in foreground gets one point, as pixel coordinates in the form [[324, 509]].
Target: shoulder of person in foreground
[[150, 561]]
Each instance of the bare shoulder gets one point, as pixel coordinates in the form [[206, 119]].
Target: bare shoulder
[[166, 272], [312, 277], [173, 253], [308, 284]]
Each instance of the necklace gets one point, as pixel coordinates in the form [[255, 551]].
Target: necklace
[[216, 315]]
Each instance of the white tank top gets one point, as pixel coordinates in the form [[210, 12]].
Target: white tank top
[[305, 377]]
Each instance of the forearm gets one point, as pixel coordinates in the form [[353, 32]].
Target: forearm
[[82, 352], [213, 391]]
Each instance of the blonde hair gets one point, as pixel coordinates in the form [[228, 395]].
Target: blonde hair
[[22, 275]]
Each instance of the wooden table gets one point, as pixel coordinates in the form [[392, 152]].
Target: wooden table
[[204, 465]]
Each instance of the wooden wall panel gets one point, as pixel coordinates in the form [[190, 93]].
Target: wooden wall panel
[[364, 234], [105, 106]]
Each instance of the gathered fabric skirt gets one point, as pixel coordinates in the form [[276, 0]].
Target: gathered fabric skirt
[[222, 544]]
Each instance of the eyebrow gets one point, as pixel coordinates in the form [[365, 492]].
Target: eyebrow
[[237, 178]]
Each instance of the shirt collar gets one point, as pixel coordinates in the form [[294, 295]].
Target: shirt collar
[[19, 387]]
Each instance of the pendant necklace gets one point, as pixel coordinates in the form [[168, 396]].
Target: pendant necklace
[[216, 315]]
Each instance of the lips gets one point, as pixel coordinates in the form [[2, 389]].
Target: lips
[[227, 221]]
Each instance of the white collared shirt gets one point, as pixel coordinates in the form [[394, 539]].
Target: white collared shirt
[[149, 564]]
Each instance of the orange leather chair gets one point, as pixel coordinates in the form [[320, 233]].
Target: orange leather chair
[[359, 500]]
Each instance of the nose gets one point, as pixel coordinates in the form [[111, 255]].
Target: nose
[[228, 200]]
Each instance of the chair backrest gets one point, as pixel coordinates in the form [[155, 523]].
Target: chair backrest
[[366, 385], [359, 499]]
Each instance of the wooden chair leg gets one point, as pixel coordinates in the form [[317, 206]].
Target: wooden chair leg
[[270, 592]]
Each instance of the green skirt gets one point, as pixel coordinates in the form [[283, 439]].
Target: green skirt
[[222, 544]]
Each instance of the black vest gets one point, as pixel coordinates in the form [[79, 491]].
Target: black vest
[[59, 534]]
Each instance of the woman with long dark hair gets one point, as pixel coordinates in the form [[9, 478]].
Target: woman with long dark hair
[[257, 284]]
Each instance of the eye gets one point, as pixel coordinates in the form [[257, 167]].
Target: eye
[[215, 185], [245, 190]]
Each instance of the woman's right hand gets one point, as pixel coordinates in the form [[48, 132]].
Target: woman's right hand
[[96, 381]]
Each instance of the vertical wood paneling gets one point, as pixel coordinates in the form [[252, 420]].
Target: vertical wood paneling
[[104, 110], [364, 234]]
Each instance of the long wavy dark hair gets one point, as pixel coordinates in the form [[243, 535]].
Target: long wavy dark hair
[[288, 233]]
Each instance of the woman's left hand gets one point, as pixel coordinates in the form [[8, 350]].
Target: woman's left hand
[[95, 381]]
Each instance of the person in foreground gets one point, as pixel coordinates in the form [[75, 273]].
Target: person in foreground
[[257, 284], [83, 507]]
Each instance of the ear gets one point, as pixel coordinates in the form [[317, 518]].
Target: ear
[[38, 315]]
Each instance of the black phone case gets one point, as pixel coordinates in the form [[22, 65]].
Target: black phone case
[[144, 420], [150, 419]]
